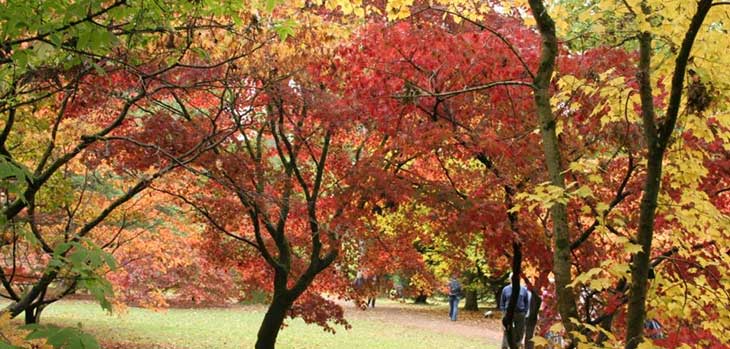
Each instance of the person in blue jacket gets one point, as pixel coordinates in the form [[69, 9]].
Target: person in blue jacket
[[454, 296], [523, 307]]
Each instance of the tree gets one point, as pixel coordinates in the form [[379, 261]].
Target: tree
[[657, 139], [74, 79], [277, 194], [472, 118], [548, 125], [275, 174], [600, 203], [657, 134], [158, 250]]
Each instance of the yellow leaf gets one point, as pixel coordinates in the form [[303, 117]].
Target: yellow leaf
[[540, 341], [646, 344], [632, 248], [583, 191], [359, 11], [557, 327]]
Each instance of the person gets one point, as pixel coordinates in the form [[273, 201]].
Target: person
[[518, 321], [454, 296], [371, 281], [653, 329], [555, 340], [365, 284], [359, 281], [370, 302]]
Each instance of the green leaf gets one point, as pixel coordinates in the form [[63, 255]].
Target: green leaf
[[79, 257], [83, 39], [285, 28], [13, 171], [100, 40], [270, 5], [40, 331], [56, 263], [99, 70], [88, 341], [61, 337], [110, 261], [20, 58], [95, 259], [172, 60], [62, 248], [203, 54], [4, 345]]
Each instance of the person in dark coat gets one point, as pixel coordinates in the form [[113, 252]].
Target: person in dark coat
[[454, 297]]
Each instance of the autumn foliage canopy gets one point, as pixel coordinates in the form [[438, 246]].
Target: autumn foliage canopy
[[210, 154]]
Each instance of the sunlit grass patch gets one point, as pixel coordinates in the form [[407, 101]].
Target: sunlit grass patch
[[236, 328]]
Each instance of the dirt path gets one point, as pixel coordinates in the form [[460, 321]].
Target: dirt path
[[433, 318]]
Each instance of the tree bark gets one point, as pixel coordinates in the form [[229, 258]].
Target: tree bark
[[495, 285], [274, 318], [31, 316], [508, 320], [657, 140], [606, 324], [38, 290], [470, 300], [561, 254], [640, 261], [531, 322]]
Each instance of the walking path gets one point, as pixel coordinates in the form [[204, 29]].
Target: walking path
[[433, 318]]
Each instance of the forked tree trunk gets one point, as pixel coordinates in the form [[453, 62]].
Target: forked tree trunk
[[36, 292], [657, 139], [274, 318], [32, 315]]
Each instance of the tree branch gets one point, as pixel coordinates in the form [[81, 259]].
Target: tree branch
[[425, 93]]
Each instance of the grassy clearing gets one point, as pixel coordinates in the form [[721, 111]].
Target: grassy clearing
[[236, 328]]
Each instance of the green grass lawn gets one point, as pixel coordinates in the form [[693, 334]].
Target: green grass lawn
[[236, 328]]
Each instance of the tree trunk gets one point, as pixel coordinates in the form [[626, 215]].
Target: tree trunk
[[551, 146], [38, 290], [531, 322], [640, 261], [274, 318], [497, 297], [606, 324], [509, 316], [470, 303], [32, 315], [421, 299], [657, 139]]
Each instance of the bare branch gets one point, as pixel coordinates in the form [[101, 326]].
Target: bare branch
[[425, 93]]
